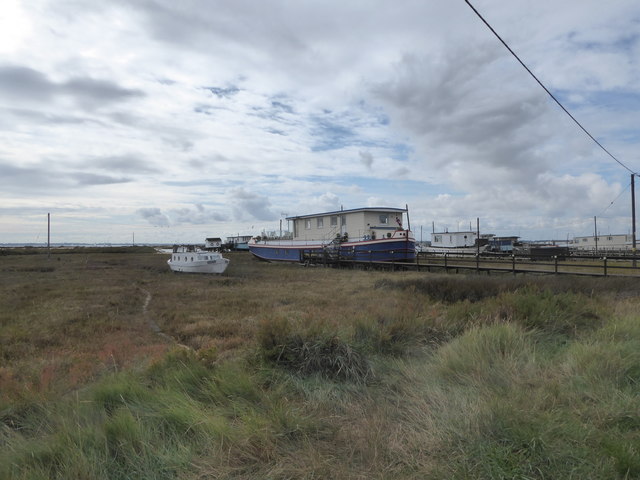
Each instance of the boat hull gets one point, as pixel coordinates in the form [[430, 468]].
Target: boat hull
[[383, 250], [196, 267], [191, 261]]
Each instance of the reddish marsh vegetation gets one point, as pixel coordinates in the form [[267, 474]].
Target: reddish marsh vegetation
[[114, 367]]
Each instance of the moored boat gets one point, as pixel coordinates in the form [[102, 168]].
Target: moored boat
[[191, 259], [465, 242], [371, 234]]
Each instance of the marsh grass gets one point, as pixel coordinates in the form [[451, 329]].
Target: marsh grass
[[312, 353], [278, 371]]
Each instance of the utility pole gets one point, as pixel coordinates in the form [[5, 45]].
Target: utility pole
[[595, 233], [477, 244], [478, 234], [633, 218], [49, 235]]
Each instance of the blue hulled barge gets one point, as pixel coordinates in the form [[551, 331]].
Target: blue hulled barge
[[372, 234]]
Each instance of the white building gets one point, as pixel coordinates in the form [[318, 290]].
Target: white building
[[355, 224], [212, 243], [453, 239], [603, 242]]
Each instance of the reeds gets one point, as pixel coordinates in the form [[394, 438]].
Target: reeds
[[285, 372]]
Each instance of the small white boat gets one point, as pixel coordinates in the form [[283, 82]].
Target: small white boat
[[191, 259]]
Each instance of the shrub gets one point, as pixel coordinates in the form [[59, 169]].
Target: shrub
[[451, 289], [396, 335], [312, 353], [492, 357]]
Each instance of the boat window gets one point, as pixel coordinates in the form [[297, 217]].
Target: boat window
[[343, 220], [334, 220], [384, 219], [320, 222], [307, 224]]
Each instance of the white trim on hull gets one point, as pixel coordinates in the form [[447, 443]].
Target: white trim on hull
[[452, 250]]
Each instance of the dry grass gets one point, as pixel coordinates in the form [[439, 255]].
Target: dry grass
[[279, 371], [67, 319]]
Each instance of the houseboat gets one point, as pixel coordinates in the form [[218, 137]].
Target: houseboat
[[191, 259], [456, 242], [213, 243], [372, 234], [238, 242]]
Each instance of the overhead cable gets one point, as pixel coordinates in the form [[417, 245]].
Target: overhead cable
[[547, 90], [624, 190]]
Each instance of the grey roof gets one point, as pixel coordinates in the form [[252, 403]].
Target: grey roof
[[353, 210]]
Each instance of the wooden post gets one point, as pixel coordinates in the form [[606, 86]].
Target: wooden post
[[477, 244], [605, 265], [48, 236]]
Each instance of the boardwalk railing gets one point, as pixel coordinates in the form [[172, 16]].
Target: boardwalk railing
[[593, 265], [605, 265]]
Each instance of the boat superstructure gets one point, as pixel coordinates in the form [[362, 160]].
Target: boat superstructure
[[191, 259]]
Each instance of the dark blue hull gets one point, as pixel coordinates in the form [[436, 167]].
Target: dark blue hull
[[396, 250]]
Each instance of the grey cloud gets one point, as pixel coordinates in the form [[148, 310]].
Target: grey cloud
[[23, 82], [27, 84], [251, 204], [47, 118], [222, 92], [240, 23], [87, 179], [463, 100], [154, 216], [180, 143], [197, 216], [130, 163], [92, 93], [42, 177], [366, 159]]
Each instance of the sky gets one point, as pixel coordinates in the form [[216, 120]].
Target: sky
[[156, 121]]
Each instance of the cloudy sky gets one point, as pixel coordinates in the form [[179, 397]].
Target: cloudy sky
[[176, 120]]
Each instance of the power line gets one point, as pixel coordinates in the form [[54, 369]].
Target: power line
[[546, 89], [624, 190]]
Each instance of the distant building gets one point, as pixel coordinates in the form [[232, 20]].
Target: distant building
[[502, 244], [453, 239], [213, 243], [603, 242]]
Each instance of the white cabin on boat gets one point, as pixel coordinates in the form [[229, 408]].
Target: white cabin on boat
[[213, 243], [369, 223], [453, 239]]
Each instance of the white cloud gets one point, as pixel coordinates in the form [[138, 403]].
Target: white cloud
[[199, 119]]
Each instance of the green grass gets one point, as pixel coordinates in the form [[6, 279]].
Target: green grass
[[279, 371]]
